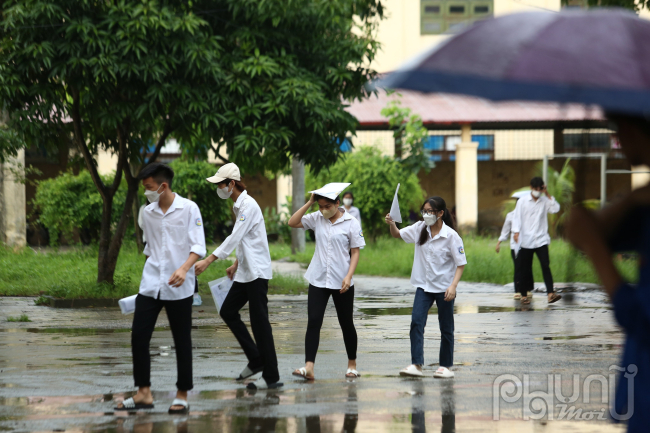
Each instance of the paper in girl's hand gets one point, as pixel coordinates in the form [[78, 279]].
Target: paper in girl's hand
[[394, 209], [127, 305], [220, 289]]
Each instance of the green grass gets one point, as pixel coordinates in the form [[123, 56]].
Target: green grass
[[394, 258], [22, 318]]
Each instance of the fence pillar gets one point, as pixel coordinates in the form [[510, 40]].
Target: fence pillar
[[13, 219], [466, 181]]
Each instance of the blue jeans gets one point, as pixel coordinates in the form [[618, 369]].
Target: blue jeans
[[421, 306]]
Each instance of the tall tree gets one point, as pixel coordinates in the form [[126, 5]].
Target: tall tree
[[264, 80]]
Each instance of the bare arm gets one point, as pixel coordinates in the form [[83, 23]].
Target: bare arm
[[295, 220], [354, 261], [394, 231], [450, 293]]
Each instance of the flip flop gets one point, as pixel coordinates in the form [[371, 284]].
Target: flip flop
[[525, 300], [554, 298], [179, 402], [130, 404], [302, 372], [248, 372], [352, 372], [517, 296]]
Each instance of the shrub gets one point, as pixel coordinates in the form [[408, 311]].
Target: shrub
[[374, 178]]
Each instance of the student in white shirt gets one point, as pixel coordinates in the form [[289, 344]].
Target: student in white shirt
[[174, 231], [530, 228], [338, 239], [437, 268], [348, 201], [506, 233], [251, 273]]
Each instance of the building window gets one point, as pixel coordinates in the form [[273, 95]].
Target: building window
[[592, 142], [443, 147], [440, 16]]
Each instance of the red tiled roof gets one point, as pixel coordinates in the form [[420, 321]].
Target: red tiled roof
[[442, 108]]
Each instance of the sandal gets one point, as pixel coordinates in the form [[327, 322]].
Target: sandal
[[130, 404], [525, 300], [249, 372], [517, 296], [179, 402], [352, 373], [302, 372], [554, 298]]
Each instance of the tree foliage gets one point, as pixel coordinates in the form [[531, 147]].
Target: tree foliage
[[265, 80], [374, 178]]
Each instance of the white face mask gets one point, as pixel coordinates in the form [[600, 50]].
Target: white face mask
[[153, 196], [329, 213], [347, 201], [430, 219], [224, 193], [536, 194]]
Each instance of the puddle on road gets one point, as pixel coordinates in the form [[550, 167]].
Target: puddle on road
[[458, 309]]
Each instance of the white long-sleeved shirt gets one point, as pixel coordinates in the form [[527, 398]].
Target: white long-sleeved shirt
[[331, 261], [249, 237], [171, 237], [506, 231], [531, 221]]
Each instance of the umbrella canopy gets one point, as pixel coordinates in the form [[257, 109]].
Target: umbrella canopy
[[599, 56]]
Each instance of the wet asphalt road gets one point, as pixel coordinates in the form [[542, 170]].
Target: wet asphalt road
[[65, 370]]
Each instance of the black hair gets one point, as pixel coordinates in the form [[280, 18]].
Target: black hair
[[537, 182], [329, 200], [158, 172], [348, 193], [241, 186], [438, 204]]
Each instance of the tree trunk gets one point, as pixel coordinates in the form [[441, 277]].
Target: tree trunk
[[104, 272], [297, 201], [137, 230]]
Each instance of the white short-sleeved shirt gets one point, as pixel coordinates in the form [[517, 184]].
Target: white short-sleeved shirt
[[249, 237], [531, 220], [171, 237], [506, 231], [435, 262], [331, 261], [354, 211]]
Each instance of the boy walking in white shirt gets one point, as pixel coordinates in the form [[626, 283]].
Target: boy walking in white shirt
[[175, 241], [530, 227]]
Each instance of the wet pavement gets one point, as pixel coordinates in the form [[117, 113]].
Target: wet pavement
[[67, 368]]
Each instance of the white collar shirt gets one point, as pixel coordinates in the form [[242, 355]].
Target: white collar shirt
[[506, 231], [171, 237], [435, 262], [531, 222], [249, 238], [331, 261]]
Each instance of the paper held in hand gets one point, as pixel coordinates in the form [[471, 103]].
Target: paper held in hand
[[127, 305], [331, 190], [220, 289], [394, 209]]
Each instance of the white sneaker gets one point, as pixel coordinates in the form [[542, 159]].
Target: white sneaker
[[412, 371], [443, 373]]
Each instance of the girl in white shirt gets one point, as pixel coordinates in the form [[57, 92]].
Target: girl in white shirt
[[348, 201], [437, 268], [338, 238]]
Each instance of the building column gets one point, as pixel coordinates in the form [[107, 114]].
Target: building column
[[466, 181], [13, 217]]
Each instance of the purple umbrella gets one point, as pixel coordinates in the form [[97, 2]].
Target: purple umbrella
[[600, 56]]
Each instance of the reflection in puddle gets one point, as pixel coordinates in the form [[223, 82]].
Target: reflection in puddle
[[458, 309]]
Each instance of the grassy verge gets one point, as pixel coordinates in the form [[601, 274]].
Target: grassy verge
[[394, 258]]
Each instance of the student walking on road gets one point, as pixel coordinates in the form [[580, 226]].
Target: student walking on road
[[506, 233], [173, 228], [437, 268], [530, 228], [338, 239], [251, 272]]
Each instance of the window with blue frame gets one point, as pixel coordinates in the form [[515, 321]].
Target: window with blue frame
[[443, 147]]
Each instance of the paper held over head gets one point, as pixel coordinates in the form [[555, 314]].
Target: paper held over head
[[331, 190], [394, 209], [220, 289], [127, 305]]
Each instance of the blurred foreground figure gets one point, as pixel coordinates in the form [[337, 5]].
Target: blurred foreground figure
[[625, 226]]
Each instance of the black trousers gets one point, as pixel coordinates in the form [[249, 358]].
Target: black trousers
[[516, 276], [179, 314], [317, 299], [260, 352], [525, 265]]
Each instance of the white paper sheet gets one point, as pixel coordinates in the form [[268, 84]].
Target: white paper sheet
[[127, 305], [394, 209], [220, 289], [331, 190]]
